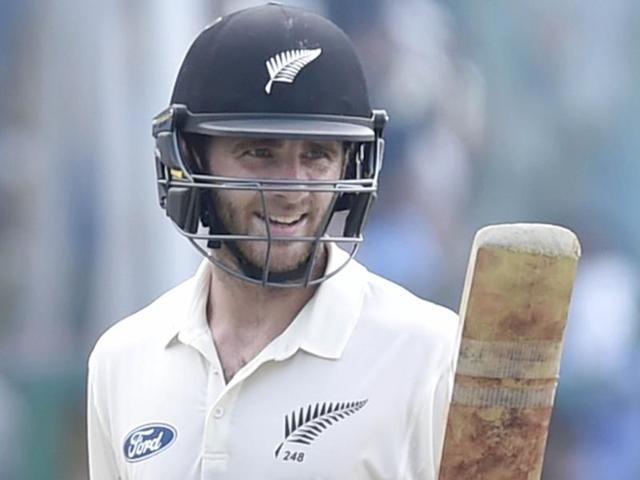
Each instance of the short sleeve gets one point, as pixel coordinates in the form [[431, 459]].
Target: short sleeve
[[102, 464], [426, 435]]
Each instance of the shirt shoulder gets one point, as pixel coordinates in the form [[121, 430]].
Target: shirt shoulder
[[147, 327], [392, 308]]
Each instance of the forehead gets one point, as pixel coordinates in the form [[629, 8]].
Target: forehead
[[236, 143]]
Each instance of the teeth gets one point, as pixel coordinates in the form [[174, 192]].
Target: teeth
[[287, 220], [283, 219]]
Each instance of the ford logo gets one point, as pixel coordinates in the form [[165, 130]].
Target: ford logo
[[148, 440]]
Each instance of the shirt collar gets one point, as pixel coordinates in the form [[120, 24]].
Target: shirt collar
[[193, 320], [328, 319], [323, 326]]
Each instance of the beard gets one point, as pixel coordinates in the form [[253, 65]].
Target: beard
[[288, 259]]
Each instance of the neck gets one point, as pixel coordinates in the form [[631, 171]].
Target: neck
[[240, 303], [241, 309], [244, 318]]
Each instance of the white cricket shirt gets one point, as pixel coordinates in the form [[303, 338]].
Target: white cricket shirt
[[357, 387]]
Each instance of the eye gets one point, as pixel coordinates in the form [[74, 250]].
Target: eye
[[259, 152], [317, 154]]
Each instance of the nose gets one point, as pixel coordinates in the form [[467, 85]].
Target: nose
[[290, 166], [294, 193]]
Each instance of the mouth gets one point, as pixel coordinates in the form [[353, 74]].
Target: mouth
[[284, 224]]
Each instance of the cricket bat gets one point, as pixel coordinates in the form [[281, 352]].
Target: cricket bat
[[514, 312]]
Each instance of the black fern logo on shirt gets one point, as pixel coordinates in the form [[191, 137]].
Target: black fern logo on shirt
[[304, 426]]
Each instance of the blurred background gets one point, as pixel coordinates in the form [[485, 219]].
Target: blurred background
[[501, 111]]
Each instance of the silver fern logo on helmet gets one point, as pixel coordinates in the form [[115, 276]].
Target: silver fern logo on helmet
[[285, 66]]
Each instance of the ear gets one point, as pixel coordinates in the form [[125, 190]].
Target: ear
[[194, 149], [348, 160]]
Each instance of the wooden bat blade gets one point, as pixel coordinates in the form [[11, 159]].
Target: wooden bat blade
[[514, 311]]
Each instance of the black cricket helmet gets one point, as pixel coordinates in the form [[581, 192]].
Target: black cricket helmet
[[271, 71]]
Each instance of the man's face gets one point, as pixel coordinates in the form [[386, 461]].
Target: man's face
[[289, 213]]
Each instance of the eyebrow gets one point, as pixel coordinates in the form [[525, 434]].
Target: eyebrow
[[252, 142], [331, 146]]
